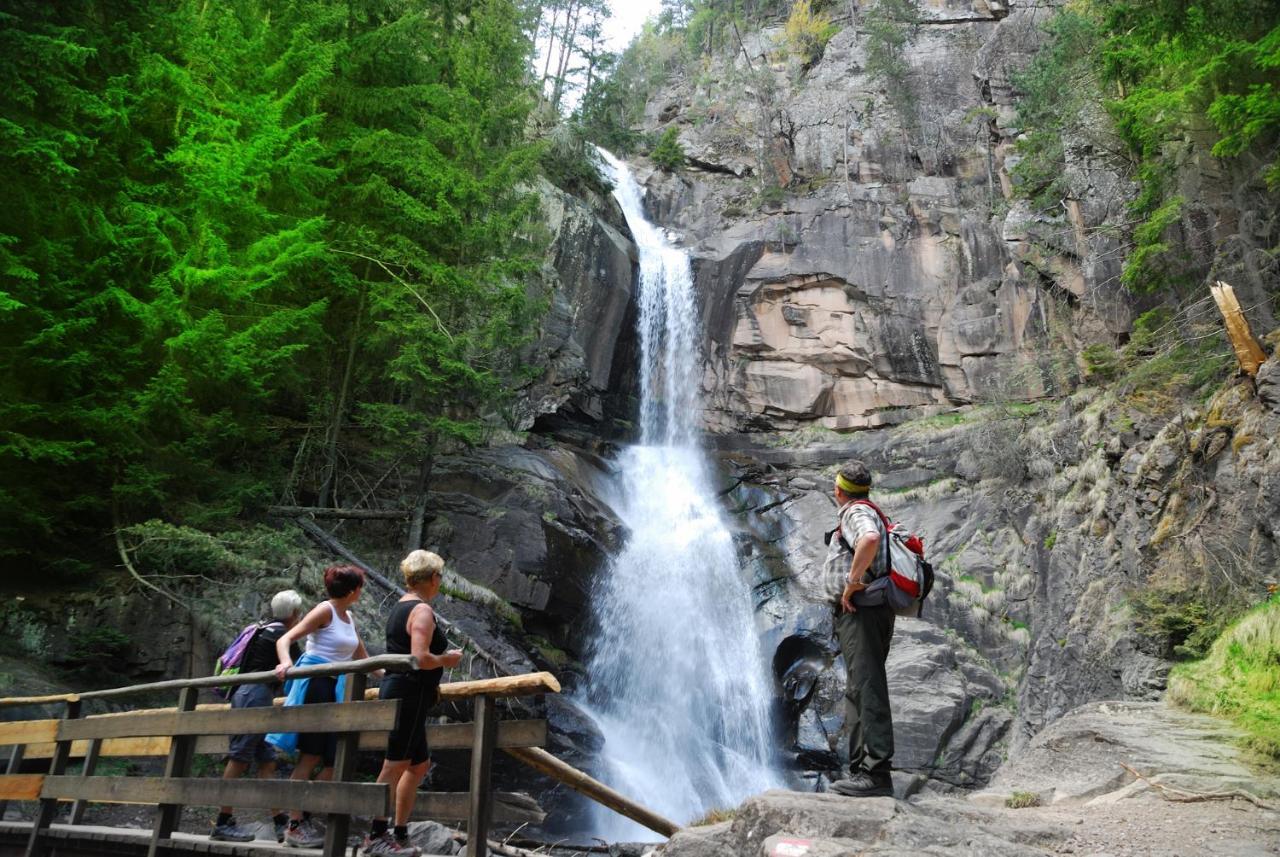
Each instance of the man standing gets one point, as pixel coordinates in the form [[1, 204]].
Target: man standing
[[864, 628]]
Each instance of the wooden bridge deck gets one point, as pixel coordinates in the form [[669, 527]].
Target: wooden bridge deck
[[86, 839]]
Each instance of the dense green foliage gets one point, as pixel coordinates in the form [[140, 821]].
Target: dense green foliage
[[668, 154], [677, 43], [235, 229], [1168, 72], [1240, 678]]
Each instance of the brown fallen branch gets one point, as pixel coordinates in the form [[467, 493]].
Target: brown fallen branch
[[133, 572], [542, 761], [318, 535], [354, 514], [1176, 795]]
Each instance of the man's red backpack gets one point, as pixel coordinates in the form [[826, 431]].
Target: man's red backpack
[[910, 576]]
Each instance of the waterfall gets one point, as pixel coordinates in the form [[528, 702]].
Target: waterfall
[[676, 680]]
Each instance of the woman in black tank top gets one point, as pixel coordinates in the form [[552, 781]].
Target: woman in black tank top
[[411, 630]]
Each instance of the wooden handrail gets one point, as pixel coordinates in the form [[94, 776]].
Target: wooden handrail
[[390, 663], [524, 684]]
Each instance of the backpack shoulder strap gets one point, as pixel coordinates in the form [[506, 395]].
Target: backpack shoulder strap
[[885, 525]]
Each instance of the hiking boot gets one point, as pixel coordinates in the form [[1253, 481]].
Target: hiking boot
[[231, 832], [863, 784], [387, 843], [308, 834]]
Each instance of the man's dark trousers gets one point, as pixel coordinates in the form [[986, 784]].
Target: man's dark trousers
[[864, 643]]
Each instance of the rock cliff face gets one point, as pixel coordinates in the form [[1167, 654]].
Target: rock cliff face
[[855, 235], [1046, 528]]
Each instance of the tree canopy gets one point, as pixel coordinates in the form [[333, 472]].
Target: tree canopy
[[236, 230]]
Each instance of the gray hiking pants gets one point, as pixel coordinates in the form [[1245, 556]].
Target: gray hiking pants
[[864, 643]]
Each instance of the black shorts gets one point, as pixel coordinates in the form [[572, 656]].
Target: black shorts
[[408, 740], [323, 744]]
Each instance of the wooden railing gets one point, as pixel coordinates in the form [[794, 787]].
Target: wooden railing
[[179, 733]]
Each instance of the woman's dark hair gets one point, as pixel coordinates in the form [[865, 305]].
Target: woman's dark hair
[[342, 580]]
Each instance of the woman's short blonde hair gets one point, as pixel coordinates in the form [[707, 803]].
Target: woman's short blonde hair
[[419, 566]]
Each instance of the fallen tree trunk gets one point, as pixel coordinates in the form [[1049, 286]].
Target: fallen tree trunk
[[354, 514], [326, 540]]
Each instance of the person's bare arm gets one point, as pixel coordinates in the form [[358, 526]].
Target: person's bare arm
[[313, 621], [864, 553], [422, 627]]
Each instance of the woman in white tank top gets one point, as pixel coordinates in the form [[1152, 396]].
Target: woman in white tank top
[[331, 635]]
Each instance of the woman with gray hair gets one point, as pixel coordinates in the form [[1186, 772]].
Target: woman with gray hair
[[259, 656]]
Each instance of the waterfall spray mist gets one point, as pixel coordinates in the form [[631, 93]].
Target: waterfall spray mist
[[677, 681]]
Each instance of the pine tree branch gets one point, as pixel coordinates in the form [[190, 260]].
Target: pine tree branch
[[401, 281], [128, 564]]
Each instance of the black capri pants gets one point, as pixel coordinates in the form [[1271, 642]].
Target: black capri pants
[[408, 740], [323, 744]]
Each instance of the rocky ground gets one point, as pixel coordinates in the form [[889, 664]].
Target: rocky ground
[[1109, 779]]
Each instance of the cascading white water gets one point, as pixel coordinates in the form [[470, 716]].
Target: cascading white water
[[676, 678]]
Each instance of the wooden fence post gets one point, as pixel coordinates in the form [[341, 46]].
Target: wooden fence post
[[181, 750], [90, 765], [344, 766], [16, 752], [486, 733], [49, 806]]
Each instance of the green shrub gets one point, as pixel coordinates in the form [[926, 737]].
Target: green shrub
[[1240, 679], [1022, 800], [808, 32], [1152, 266], [1178, 620], [668, 155], [889, 26], [160, 547], [96, 647], [569, 162], [1101, 362]]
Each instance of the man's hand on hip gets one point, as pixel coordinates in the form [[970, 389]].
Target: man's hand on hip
[[846, 598]]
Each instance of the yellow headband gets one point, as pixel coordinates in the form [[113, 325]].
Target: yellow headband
[[850, 487]]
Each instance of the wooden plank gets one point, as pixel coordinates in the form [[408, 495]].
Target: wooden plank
[[14, 766], [181, 753], [481, 814], [28, 732], [321, 717], [8, 701], [541, 760], [90, 766], [21, 786], [314, 797], [443, 736], [156, 745], [508, 807], [511, 734], [344, 765], [525, 684]]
